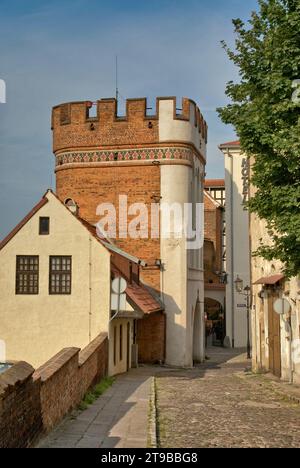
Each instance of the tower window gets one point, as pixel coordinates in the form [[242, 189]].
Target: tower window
[[44, 226], [60, 280], [27, 274]]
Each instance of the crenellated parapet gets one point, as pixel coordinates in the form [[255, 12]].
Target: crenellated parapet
[[74, 127]]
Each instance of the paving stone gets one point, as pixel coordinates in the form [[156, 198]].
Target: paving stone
[[111, 418], [219, 405], [89, 442]]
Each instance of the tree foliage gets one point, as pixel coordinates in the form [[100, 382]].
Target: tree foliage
[[267, 120]]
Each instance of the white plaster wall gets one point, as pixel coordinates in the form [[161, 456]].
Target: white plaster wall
[[182, 280], [36, 327], [237, 230], [180, 285], [174, 278], [171, 129], [120, 366]]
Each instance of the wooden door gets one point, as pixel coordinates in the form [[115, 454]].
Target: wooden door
[[274, 338], [128, 346]]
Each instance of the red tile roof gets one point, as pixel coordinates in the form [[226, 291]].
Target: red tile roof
[[229, 144], [139, 295], [214, 183], [270, 280], [24, 221]]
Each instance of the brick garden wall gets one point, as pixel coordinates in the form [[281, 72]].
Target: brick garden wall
[[33, 402], [20, 407]]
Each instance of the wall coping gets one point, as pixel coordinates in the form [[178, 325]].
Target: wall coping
[[89, 350], [56, 363], [18, 373]]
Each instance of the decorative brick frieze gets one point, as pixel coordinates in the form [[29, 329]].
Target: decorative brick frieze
[[143, 154]]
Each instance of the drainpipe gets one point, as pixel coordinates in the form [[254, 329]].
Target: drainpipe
[[90, 289]]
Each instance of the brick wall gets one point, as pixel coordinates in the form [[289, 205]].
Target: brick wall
[[151, 338], [33, 402], [20, 407], [72, 129]]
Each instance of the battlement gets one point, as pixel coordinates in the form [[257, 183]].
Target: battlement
[[74, 126]]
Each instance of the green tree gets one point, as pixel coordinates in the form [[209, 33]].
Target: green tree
[[265, 111]]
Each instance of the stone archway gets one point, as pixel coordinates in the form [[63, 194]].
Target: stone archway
[[214, 322]]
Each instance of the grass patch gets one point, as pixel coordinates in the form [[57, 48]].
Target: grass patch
[[96, 392]]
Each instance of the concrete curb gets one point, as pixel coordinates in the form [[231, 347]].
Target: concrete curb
[[153, 415]]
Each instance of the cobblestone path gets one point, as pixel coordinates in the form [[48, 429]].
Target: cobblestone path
[[221, 405]]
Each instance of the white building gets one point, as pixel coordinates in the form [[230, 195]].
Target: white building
[[237, 241]]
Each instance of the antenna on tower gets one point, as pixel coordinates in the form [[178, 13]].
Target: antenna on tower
[[117, 89]]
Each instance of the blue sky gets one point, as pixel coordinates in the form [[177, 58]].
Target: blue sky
[[56, 51]]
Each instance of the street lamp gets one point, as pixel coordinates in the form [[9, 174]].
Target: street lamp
[[239, 286]]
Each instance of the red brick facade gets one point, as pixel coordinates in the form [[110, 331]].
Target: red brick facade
[[151, 338], [91, 186], [213, 227]]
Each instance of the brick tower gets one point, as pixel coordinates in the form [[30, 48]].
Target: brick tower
[[150, 159]]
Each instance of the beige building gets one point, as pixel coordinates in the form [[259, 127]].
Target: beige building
[[237, 241], [55, 285], [276, 338]]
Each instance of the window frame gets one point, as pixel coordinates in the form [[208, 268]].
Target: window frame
[[60, 272], [27, 273], [40, 225]]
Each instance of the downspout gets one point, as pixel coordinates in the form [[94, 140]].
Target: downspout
[[90, 289]]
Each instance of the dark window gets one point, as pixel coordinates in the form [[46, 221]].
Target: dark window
[[27, 274], [121, 343], [60, 280], [44, 226]]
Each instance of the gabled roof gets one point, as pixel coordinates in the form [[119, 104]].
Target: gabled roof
[[92, 229], [24, 221], [137, 294]]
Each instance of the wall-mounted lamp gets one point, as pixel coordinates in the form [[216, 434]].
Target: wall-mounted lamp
[[239, 284]]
